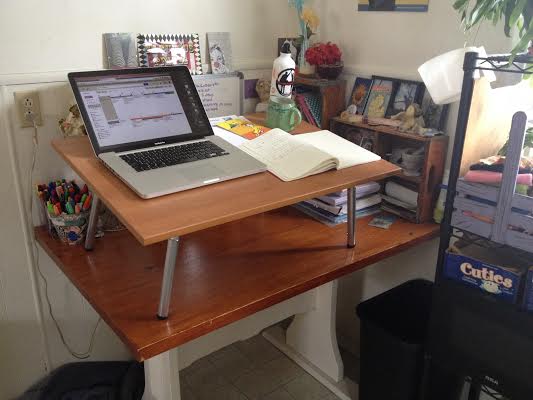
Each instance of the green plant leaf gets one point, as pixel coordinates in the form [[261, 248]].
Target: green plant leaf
[[517, 11], [523, 43], [459, 4]]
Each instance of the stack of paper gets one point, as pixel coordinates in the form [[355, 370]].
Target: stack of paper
[[332, 209]]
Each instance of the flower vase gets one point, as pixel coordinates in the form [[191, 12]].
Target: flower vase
[[304, 67]]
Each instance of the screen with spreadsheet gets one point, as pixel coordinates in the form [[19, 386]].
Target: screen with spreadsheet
[[132, 108]]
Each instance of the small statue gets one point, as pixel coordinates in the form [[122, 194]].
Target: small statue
[[262, 88], [412, 120], [73, 124]]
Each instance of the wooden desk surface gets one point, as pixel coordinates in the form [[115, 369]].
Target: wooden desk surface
[[223, 273], [155, 220]]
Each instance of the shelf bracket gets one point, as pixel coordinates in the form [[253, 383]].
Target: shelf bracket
[[168, 276], [351, 217]]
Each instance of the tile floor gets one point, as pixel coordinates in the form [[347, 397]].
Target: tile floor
[[249, 370]]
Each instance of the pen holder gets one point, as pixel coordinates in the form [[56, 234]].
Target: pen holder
[[70, 228]]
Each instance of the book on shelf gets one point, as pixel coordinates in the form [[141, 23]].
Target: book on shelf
[[314, 103], [340, 198], [334, 220], [361, 203], [292, 157], [305, 110]]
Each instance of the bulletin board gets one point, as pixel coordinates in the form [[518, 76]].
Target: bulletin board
[[221, 94]]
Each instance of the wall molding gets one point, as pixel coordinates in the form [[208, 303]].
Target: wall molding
[[61, 76]]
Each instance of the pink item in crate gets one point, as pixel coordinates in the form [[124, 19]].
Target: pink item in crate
[[496, 177]]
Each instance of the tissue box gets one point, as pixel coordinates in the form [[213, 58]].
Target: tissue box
[[487, 271]]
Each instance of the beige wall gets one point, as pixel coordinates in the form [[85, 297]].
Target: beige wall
[[397, 43]]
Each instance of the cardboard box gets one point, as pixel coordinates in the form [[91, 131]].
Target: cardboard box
[[494, 271]]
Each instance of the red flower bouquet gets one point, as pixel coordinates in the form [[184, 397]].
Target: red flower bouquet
[[327, 58], [323, 54]]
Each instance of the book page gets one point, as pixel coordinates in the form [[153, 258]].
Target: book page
[[347, 153], [287, 158]]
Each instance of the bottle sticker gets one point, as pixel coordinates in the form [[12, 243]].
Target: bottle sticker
[[285, 81]]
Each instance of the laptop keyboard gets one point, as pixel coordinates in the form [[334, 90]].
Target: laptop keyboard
[[174, 155]]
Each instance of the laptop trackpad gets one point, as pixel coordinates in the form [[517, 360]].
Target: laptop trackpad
[[200, 173]]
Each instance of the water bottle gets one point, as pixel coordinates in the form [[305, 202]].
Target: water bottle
[[283, 73]]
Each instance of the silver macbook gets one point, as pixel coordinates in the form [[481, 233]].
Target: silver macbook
[[149, 127]]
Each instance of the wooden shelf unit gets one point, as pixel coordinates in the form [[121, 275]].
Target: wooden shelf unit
[[384, 138], [333, 94]]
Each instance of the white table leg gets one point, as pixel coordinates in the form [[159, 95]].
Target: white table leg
[[161, 376], [313, 333], [311, 342]]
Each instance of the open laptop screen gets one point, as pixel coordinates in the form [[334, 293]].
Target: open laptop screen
[[140, 108]]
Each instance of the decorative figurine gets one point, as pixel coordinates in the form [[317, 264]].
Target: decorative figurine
[[262, 88], [73, 124], [411, 120]]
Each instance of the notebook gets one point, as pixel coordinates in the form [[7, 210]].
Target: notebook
[[292, 157]]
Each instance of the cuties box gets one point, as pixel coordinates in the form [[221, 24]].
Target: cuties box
[[494, 271]]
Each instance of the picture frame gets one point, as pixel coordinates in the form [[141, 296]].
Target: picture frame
[[220, 54], [295, 46], [435, 116], [407, 92], [156, 50], [360, 93], [121, 50], [382, 90]]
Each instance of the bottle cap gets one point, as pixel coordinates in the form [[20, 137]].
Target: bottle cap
[[286, 48]]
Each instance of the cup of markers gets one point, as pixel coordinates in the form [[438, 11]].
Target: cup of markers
[[67, 207]]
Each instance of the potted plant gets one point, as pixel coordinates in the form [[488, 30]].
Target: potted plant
[[515, 13], [327, 57]]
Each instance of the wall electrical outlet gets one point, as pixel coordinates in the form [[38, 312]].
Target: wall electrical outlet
[[28, 105]]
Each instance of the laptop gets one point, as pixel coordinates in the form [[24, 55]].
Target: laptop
[[149, 127]]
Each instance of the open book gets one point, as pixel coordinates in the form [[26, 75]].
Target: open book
[[292, 157]]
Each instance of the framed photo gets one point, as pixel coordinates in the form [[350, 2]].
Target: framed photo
[[435, 116], [121, 50], [219, 44], [379, 97], [394, 5], [162, 50], [295, 45], [407, 93], [360, 93]]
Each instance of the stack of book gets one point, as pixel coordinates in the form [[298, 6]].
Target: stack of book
[[332, 209]]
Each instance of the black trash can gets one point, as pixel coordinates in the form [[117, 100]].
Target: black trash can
[[393, 331]]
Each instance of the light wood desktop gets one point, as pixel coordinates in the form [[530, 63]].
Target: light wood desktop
[[239, 266]]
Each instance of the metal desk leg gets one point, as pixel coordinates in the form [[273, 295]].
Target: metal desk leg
[[168, 275], [93, 221], [351, 217]]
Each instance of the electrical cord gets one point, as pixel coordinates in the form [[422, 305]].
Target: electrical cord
[[80, 356]]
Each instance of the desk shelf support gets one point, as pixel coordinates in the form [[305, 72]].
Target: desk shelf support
[[168, 276], [351, 217], [93, 221]]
